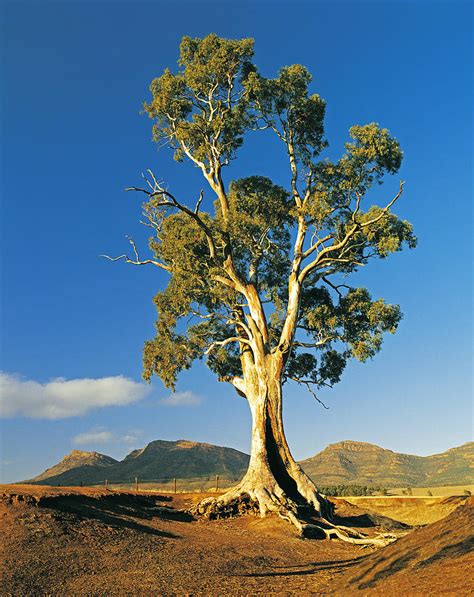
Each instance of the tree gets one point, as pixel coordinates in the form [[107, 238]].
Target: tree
[[257, 283]]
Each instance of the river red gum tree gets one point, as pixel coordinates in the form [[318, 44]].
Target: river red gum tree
[[258, 283]]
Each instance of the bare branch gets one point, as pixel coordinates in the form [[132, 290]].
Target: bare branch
[[386, 209], [137, 260], [336, 286], [244, 327], [238, 383], [357, 206], [308, 383], [214, 345], [226, 281], [316, 245], [321, 342], [171, 201], [198, 204]]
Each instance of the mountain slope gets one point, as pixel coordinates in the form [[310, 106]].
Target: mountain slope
[[159, 460], [74, 460], [182, 459], [346, 462], [360, 463]]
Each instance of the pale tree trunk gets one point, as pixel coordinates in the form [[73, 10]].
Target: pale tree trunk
[[273, 473], [274, 481]]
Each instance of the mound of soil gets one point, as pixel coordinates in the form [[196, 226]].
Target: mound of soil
[[435, 559]]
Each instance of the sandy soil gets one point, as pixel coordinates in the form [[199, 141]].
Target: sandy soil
[[435, 560], [414, 511], [89, 541]]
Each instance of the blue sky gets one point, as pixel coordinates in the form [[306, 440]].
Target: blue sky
[[74, 76]]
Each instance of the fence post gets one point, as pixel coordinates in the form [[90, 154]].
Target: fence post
[[175, 485], [81, 483], [217, 482], [136, 483]]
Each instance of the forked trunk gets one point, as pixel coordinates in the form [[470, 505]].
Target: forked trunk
[[274, 481], [272, 468]]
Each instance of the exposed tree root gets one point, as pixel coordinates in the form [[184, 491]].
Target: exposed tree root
[[262, 500]]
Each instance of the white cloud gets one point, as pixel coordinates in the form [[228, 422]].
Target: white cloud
[[61, 398], [93, 437], [187, 398], [101, 435], [132, 437]]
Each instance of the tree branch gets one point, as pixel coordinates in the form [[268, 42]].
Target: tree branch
[[214, 345], [308, 383], [238, 383], [335, 286], [317, 344], [321, 256], [159, 191], [137, 260]]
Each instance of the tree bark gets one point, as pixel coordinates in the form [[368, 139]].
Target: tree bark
[[274, 481], [272, 467]]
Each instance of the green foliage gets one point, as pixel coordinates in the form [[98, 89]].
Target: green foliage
[[372, 152], [285, 106], [352, 490], [258, 225], [245, 242], [181, 104], [352, 326]]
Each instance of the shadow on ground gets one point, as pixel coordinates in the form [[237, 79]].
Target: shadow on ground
[[118, 510], [305, 569]]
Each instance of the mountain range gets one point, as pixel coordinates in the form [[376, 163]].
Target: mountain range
[[158, 461], [360, 463], [346, 462]]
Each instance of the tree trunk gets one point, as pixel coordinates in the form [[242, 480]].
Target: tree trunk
[[273, 472], [274, 481]]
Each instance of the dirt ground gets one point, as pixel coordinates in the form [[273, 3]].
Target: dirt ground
[[89, 541], [436, 559], [414, 511]]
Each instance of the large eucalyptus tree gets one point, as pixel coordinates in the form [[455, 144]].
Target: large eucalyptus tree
[[258, 283]]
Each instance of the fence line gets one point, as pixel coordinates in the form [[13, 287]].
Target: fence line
[[167, 484]]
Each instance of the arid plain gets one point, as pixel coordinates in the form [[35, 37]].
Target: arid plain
[[67, 541]]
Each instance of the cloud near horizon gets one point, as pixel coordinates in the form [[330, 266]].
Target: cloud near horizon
[[93, 437], [102, 435], [186, 398], [62, 398]]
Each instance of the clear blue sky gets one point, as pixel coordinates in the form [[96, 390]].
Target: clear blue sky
[[74, 76]]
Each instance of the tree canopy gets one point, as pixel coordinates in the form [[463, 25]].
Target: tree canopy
[[264, 268]]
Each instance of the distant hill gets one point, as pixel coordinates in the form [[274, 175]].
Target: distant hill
[[158, 460], [344, 463], [360, 463], [77, 459]]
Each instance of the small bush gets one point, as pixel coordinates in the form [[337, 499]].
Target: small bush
[[352, 490]]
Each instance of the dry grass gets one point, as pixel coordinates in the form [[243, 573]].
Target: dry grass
[[441, 491], [415, 511]]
